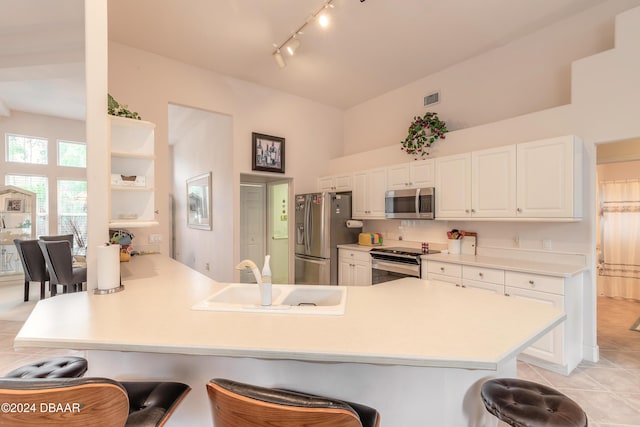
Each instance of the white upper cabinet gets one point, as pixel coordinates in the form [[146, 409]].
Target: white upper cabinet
[[132, 195], [453, 186], [493, 182], [338, 183], [369, 187], [416, 174], [535, 180], [549, 178]]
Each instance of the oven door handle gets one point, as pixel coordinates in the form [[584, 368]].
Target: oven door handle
[[411, 270]]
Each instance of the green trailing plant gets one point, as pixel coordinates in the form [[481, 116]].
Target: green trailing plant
[[116, 109], [423, 131]]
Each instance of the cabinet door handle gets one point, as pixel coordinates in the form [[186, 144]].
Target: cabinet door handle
[[519, 210], [441, 268], [480, 274], [464, 286], [507, 294], [531, 282], [466, 211], [473, 211]]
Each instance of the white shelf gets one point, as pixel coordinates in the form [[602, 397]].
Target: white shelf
[[132, 154], [131, 223]]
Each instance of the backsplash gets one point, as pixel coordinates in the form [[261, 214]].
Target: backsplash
[[545, 240]]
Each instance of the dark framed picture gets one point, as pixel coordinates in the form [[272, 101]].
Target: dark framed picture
[[15, 205], [267, 152]]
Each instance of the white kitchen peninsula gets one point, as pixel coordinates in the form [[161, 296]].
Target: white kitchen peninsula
[[416, 351]]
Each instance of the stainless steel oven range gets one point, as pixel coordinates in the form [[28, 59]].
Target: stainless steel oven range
[[395, 263]]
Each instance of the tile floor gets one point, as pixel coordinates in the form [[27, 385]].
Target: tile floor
[[609, 391]]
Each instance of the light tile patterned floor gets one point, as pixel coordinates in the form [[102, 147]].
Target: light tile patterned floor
[[609, 391]]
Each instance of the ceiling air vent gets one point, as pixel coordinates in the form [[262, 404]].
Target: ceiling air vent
[[432, 98]]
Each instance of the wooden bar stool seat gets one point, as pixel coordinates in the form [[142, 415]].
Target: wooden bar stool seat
[[236, 404]]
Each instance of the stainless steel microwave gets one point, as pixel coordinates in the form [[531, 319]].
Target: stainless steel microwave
[[418, 203]]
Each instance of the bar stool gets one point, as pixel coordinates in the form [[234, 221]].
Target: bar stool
[[53, 367], [81, 402], [235, 404], [522, 403]]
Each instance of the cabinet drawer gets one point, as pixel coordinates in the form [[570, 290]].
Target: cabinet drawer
[[481, 274], [355, 255], [535, 282], [444, 268], [442, 278]]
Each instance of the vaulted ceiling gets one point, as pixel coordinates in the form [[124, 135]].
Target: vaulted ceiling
[[369, 48]]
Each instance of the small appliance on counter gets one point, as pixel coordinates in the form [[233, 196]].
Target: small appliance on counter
[[370, 239]]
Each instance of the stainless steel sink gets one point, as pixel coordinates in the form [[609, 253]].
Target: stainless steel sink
[[289, 299]]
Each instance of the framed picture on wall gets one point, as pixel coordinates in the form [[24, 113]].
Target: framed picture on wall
[[15, 205], [199, 202], [267, 153]]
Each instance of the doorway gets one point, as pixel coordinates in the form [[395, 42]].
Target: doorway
[[264, 225], [618, 221]]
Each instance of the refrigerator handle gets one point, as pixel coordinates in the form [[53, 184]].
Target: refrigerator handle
[[320, 261], [307, 223]]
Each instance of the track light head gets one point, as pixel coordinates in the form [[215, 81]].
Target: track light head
[[293, 45], [279, 59]]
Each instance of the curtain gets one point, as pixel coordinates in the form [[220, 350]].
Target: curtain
[[619, 263]]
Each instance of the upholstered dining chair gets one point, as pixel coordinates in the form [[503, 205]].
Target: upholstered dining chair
[[33, 264], [81, 402], [235, 404], [66, 237], [57, 255]]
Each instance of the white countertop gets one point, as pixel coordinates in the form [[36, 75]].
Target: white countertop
[[406, 322], [525, 266]]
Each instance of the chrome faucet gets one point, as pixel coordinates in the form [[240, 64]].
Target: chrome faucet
[[265, 288]]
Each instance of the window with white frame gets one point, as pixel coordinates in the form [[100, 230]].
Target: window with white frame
[[26, 149], [72, 211], [72, 154], [40, 186]]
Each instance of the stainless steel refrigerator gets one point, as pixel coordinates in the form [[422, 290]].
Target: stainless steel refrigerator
[[321, 225]]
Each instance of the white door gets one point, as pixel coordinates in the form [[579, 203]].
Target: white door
[[252, 226], [278, 243], [399, 177], [423, 173]]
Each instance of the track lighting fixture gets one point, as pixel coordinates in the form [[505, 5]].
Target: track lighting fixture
[[279, 59], [293, 42], [293, 45]]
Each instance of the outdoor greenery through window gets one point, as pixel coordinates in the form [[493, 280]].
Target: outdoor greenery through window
[[72, 211], [40, 186], [72, 154], [26, 149]]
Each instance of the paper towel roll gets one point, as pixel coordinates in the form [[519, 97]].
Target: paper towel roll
[[352, 223], [108, 266]]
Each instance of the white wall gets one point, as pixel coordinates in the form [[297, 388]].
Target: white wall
[[529, 74], [147, 83], [206, 146], [604, 90]]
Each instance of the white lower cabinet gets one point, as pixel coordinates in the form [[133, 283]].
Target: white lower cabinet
[[354, 268], [443, 272], [560, 349]]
